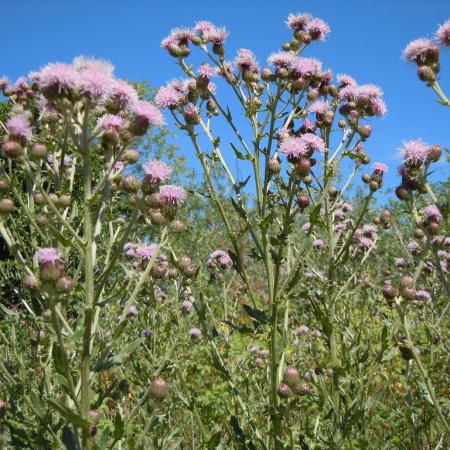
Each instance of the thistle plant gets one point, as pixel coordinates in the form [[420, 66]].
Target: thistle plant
[[68, 159]]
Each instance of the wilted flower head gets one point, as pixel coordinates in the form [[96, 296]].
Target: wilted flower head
[[49, 255], [443, 34], [157, 171], [421, 51], [19, 127], [172, 195]]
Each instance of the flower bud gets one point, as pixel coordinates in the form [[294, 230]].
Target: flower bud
[[304, 389], [434, 153], [184, 262], [6, 206], [389, 292], [284, 391], [303, 200], [433, 227], [303, 167], [159, 271], [426, 73], [365, 131], [129, 183], [401, 192], [131, 156], [156, 217], [30, 282], [178, 226], [159, 389], [4, 185], [274, 165], [64, 285], [38, 151], [12, 149], [291, 377]]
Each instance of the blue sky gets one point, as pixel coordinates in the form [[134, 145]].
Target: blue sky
[[366, 41]]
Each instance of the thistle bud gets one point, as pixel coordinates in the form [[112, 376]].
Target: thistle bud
[[365, 131], [38, 151], [401, 192], [303, 200], [303, 167], [267, 75], [64, 285], [426, 73], [284, 391], [129, 183], [30, 282], [433, 227], [4, 185], [184, 262], [12, 149], [389, 292], [304, 389], [434, 153], [6, 206], [156, 217], [178, 226], [159, 389], [130, 156], [159, 271], [291, 377]]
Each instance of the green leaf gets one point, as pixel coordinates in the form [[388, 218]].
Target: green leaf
[[239, 154], [258, 315], [214, 441], [70, 439], [119, 426], [71, 416]]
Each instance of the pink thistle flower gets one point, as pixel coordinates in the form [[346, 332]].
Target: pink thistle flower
[[348, 92], [221, 257], [313, 142], [306, 227], [167, 97], [423, 295], [49, 256], [402, 170], [203, 26], [308, 126], [145, 252], [130, 249], [443, 34], [414, 151], [180, 36], [346, 207], [195, 333], [298, 22], [122, 94], [378, 107], [369, 91], [4, 81], [346, 80], [318, 29], [319, 107], [283, 133], [264, 353], [413, 247], [148, 112], [172, 195], [19, 127], [369, 230], [58, 78], [318, 243], [215, 35], [157, 171], [119, 165], [400, 263], [281, 59], [82, 63], [246, 61], [293, 147], [421, 51], [380, 167], [95, 83], [212, 87], [21, 83], [186, 306], [433, 213], [111, 122], [206, 71], [307, 67]]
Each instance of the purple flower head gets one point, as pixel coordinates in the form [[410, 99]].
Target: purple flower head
[[122, 94], [432, 212], [130, 249], [20, 84], [281, 59], [95, 82], [421, 51], [19, 127], [254, 348], [414, 152], [423, 295], [302, 329], [172, 195], [443, 34], [400, 263], [4, 81], [58, 78], [148, 112], [306, 227], [157, 171], [179, 37], [348, 92], [49, 256], [82, 63], [378, 107], [298, 22], [195, 333], [413, 246], [119, 165], [264, 353], [293, 147], [307, 67], [346, 207], [215, 35], [206, 71], [186, 306], [368, 91], [212, 87], [313, 142], [319, 107], [318, 29], [145, 252], [366, 243], [168, 97], [368, 230], [221, 257], [380, 167], [283, 133], [111, 122], [246, 61], [202, 26], [339, 214], [318, 243], [346, 80]]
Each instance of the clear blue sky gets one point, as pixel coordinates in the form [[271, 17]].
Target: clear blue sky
[[366, 41]]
